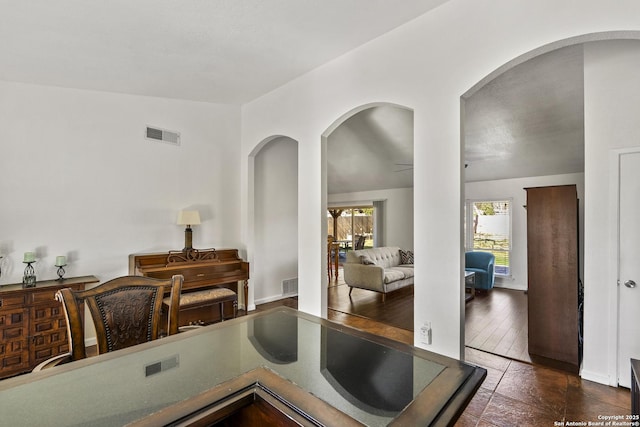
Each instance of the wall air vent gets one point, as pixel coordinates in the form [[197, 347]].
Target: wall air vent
[[290, 287], [163, 135]]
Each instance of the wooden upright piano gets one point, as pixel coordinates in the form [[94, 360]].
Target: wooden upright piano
[[202, 269]]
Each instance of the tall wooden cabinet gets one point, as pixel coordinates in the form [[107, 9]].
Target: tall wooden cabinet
[[553, 273], [32, 324]]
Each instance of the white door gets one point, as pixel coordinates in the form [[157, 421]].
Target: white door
[[629, 265]]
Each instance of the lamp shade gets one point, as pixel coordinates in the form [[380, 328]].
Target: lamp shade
[[188, 218]]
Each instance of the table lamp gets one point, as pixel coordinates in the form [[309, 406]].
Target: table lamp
[[188, 218]]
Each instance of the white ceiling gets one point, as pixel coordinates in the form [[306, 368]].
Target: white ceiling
[[222, 51]]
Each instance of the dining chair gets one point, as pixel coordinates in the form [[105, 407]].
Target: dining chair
[[126, 311], [333, 249]]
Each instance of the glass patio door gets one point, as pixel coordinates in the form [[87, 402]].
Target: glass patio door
[[350, 226]]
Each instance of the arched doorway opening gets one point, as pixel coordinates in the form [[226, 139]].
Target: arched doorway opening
[[273, 169], [598, 298], [367, 175]]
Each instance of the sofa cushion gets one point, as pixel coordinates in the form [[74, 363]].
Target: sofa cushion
[[385, 257], [392, 274], [407, 270], [400, 272], [406, 257], [366, 260]]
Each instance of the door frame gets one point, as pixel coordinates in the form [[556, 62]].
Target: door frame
[[614, 261]]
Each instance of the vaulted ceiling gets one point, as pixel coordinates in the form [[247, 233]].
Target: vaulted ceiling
[[529, 121], [372, 150], [526, 122], [222, 51]]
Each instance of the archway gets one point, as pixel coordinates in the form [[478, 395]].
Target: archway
[[273, 200], [599, 299], [367, 159]]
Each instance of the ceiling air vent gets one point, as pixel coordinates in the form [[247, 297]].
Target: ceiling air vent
[[163, 135]]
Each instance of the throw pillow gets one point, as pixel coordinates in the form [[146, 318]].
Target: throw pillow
[[367, 261], [406, 257]]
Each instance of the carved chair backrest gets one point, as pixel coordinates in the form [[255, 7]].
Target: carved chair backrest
[[126, 311]]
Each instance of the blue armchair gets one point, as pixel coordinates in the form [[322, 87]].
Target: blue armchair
[[482, 264]]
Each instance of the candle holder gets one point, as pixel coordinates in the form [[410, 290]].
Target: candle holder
[[61, 271], [29, 277]]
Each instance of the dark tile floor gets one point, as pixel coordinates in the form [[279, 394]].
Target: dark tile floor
[[522, 394]]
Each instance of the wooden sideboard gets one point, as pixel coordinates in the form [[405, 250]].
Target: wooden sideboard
[[202, 269], [32, 323]]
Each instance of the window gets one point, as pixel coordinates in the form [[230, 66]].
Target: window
[[488, 228], [349, 223]]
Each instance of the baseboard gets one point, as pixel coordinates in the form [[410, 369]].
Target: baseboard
[[511, 287], [90, 341], [555, 364], [509, 282], [273, 298], [597, 378]]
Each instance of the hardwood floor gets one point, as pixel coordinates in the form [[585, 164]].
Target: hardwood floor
[[396, 311], [496, 322], [514, 392]]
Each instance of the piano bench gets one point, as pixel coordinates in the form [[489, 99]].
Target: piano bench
[[207, 298]]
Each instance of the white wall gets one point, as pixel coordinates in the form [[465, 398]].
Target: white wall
[[612, 90], [398, 215], [514, 189], [425, 65], [78, 178], [276, 218]]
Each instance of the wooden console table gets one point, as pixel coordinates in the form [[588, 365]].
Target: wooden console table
[[202, 269], [33, 327]]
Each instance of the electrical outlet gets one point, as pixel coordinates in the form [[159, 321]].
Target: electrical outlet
[[426, 333]]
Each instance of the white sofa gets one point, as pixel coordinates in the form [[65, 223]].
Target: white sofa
[[377, 269]]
